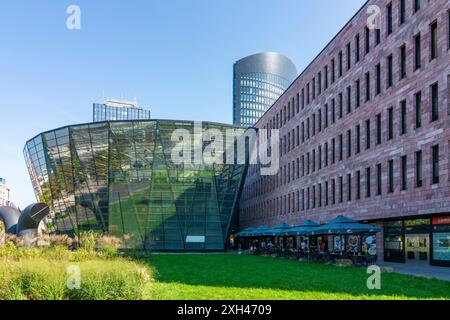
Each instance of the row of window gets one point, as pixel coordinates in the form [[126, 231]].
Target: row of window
[[350, 187], [300, 100], [331, 152]]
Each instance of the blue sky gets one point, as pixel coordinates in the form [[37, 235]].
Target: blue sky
[[175, 56]]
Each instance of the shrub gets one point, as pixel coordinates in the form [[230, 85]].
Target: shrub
[[105, 281]]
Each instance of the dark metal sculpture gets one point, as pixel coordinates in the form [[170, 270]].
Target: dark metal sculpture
[[25, 223], [10, 217]]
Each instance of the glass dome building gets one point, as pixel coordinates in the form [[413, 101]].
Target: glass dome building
[[119, 178], [258, 81]]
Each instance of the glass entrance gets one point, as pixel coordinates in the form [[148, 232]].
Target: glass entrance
[[417, 247]]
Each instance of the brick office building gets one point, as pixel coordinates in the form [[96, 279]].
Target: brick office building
[[365, 132]]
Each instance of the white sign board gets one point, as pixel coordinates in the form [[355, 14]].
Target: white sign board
[[195, 239]]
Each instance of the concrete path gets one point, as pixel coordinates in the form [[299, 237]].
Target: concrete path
[[421, 270]]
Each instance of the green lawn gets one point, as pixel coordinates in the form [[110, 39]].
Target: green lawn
[[227, 276]]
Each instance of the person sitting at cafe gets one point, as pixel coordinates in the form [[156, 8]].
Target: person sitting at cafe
[[323, 246]]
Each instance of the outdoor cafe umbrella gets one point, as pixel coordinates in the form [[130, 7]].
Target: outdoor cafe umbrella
[[279, 230], [260, 231], [342, 226], [245, 232], [303, 229]]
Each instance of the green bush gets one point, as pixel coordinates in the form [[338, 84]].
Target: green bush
[[41, 274]]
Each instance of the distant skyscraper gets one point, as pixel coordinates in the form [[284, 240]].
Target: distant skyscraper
[[258, 81], [4, 193], [112, 110]]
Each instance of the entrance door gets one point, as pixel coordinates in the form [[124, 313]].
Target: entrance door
[[417, 247]]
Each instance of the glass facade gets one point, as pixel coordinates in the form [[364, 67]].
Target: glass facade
[[258, 91], [258, 81], [104, 112], [118, 178]]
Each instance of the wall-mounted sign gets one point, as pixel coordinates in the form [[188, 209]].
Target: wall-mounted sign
[[195, 239], [441, 220]]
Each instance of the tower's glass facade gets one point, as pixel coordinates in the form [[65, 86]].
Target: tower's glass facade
[[259, 80], [118, 177]]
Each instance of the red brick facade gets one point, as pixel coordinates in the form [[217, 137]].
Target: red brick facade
[[284, 198]]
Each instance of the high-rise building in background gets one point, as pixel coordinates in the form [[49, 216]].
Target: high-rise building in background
[[258, 81], [4, 193], [118, 110]]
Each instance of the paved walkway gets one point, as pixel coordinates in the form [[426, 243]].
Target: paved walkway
[[423, 270]]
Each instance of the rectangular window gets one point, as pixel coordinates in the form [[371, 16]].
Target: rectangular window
[[340, 64], [403, 115], [320, 157], [333, 191], [319, 120], [377, 36], [367, 134], [326, 115], [307, 93], [378, 128], [367, 39], [326, 193], [319, 81], [341, 189], [314, 124], [419, 173], [341, 105], [378, 75], [349, 60], [404, 161], [333, 111], [389, 18], [358, 139], [358, 185], [391, 176], [357, 48], [333, 71], [358, 93], [326, 154], [307, 129], [433, 40], [349, 100], [303, 99], [434, 102], [341, 147], [390, 118], [326, 76], [367, 86], [349, 143], [402, 11], [418, 107], [417, 52], [378, 179], [368, 183], [435, 164], [349, 187], [403, 62], [416, 5], [333, 150], [313, 88], [390, 74]]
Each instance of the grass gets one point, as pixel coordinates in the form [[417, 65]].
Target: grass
[[224, 276], [41, 274]]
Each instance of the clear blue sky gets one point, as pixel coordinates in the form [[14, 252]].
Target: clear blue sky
[[175, 56]]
